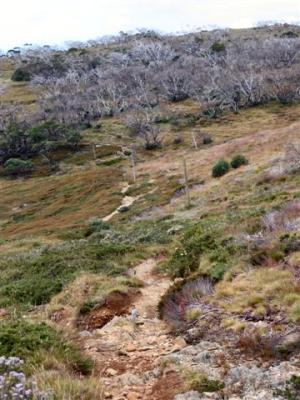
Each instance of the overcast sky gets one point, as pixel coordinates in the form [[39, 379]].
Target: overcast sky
[[57, 21]]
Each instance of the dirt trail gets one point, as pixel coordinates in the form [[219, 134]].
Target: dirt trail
[[128, 348], [127, 201]]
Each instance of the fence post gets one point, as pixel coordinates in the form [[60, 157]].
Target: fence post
[[94, 151], [194, 140], [133, 163], [186, 184]]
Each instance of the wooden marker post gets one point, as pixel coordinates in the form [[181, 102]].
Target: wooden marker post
[[94, 151], [133, 163], [194, 140], [186, 184]]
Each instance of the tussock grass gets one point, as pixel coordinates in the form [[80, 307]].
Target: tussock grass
[[67, 387], [258, 291]]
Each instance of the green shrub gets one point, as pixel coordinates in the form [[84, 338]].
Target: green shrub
[[207, 139], [220, 168], [186, 257], [203, 243], [98, 225], [238, 160], [201, 383], [87, 307], [217, 47], [20, 75], [16, 166], [51, 135], [28, 340]]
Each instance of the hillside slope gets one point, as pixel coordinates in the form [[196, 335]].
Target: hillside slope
[[124, 276]]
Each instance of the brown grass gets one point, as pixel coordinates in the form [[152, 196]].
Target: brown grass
[[47, 205]]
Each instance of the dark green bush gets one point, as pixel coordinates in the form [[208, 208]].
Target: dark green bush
[[217, 47], [50, 135], [186, 257], [207, 139], [202, 383], [238, 160], [16, 166], [98, 225], [19, 140], [87, 307], [220, 168], [20, 75]]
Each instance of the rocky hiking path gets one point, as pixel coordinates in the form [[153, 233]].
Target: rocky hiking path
[[129, 349], [138, 358]]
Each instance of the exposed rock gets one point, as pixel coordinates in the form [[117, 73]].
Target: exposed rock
[[129, 379], [262, 395], [203, 357], [111, 372], [152, 340], [131, 347], [292, 340], [179, 343], [133, 396], [174, 229], [188, 396], [193, 335], [123, 209], [85, 334], [190, 350], [247, 377]]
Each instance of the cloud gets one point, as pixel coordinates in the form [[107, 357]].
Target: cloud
[[45, 22]]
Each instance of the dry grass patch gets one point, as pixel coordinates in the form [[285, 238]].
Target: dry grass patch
[[63, 386], [52, 204], [259, 292], [19, 92]]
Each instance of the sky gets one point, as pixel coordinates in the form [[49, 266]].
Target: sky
[[57, 21]]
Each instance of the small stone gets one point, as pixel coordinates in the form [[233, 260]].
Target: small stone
[[111, 372], [131, 347], [203, 357], [174, 229], [156, 372], [97, 332], [122, 353], [152, 340], [179, 344], [291, 340], [188, 396], [129, 379], [133, 396], [123, 209], [85, 334], [145, 348]]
